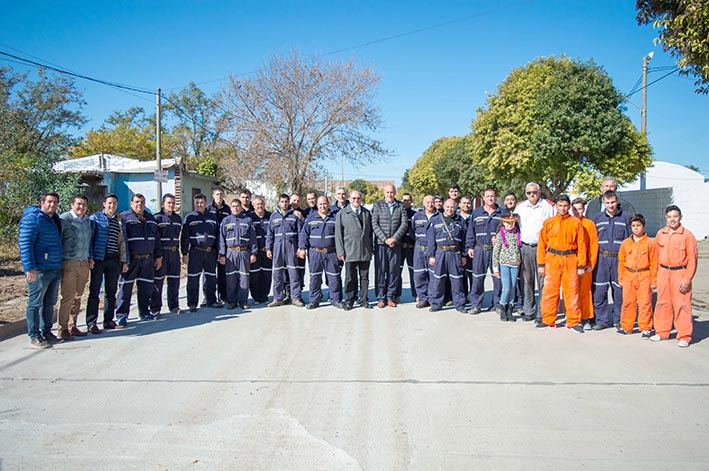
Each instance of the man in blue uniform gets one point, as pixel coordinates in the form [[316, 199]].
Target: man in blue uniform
[[483, 226], [445, 251], [169, 227], [418, 229], [465, 211], [407, 250], [219, 209], [340, 200], [143, 255], [613, 226], [198, 244], [237, 251], [317, 240], [281, 246], [260, 271]]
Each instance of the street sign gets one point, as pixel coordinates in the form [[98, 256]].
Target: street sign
[[160, 176]]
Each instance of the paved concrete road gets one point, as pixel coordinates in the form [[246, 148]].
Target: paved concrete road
[[390, 389]]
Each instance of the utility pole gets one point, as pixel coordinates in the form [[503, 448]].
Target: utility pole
[[158, 130], [643, 110]]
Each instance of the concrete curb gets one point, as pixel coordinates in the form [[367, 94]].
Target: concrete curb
[[13, 329]]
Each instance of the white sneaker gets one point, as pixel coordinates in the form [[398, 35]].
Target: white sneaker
[[683, 344], [656, 338], [586, 326]]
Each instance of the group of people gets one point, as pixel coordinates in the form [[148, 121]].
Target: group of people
[[239, 248]]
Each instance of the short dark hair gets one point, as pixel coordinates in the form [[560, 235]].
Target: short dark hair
[[579, 200], [200, 196], [284, 195], [509, 193], [562, 198], [79, 197], [639, 218], [51, 193], [217, 188], [139, 196], [673, 207], [235, 200], [489, 188], [610, 194], [407, 194], [454, 186], [110, 195], [166, 196], [245, 191]]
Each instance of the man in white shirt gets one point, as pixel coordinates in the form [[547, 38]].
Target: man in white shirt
[[532, 214]]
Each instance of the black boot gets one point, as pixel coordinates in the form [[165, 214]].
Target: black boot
[[502, 311], [510, 313]]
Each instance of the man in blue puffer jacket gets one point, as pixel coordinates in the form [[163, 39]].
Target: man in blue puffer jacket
[[41, 254]]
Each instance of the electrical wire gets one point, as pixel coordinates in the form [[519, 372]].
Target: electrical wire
[[654, 81], [81, 76]]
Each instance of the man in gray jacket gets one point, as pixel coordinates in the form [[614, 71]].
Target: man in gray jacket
[[390, 222], [77, 261], [353, 243]]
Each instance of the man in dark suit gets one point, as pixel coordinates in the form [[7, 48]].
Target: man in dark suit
[[353, 243]]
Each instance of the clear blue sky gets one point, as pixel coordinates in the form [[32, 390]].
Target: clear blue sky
[[432, 81]]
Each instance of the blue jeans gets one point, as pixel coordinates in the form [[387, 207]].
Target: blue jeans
[[508, 276], [42, 295]]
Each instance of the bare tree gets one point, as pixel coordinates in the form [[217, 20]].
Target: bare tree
[[297, 113]]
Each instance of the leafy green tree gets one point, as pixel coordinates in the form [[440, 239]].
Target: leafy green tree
[[558, 121], [200, 123], [129, 133], [36, 119], [423, 178], [370, 191], [683, 27]]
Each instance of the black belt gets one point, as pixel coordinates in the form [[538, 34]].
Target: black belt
[[208, 249], [678, 267], [606, 253], [530, 245], [407, 246], [636, 270], [563, 253], [325, 250], [447, 248], [238, 248], [484, 246], [144, 256]]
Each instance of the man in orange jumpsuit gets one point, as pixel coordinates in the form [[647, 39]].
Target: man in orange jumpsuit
[[637, 273], [562, 259], [578, 206], [676, 250]]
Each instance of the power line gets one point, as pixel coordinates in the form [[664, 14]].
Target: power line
[[81, 76], [654, 81]]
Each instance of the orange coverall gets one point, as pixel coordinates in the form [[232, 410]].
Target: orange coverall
[[561, 234], [637, 273], [677, 250], [586, 280]]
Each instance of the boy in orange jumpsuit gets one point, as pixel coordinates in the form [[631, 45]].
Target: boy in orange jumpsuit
[[578, 206], [637, 273], [561, 258], [676, 250]]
